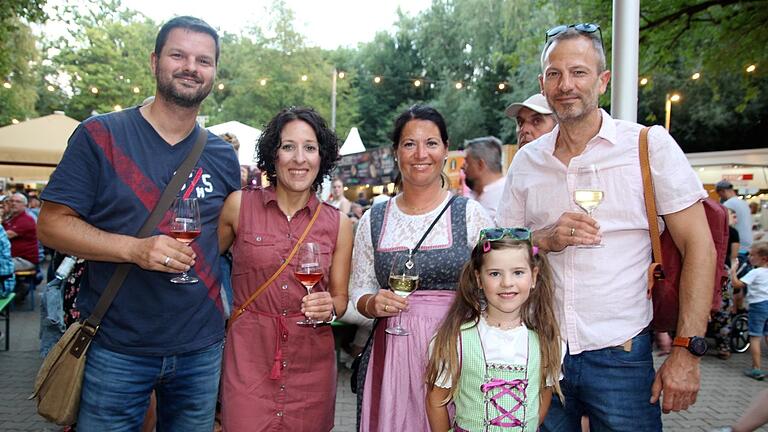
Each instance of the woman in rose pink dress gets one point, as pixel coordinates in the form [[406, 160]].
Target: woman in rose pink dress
[[278, 375]]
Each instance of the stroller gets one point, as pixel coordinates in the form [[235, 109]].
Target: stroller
[[729, 326]]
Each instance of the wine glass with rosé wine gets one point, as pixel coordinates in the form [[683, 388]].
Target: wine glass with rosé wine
[[309, 273], [185, 227]]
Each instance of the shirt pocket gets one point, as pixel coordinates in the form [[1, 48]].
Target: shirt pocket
[[258, 249]]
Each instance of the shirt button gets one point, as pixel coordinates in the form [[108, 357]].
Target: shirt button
[[285, 287], [285, 364], [282, 387], [285, 312], [258, 238], [279, 413], [285, 335]]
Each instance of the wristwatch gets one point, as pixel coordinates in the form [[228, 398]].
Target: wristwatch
[[695, 344]]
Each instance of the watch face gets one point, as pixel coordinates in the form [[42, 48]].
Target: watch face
[[698, 346]]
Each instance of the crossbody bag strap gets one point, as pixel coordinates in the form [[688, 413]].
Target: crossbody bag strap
[[239, 311], [655, 271], [91, 324], [434, 222], [423, 237]]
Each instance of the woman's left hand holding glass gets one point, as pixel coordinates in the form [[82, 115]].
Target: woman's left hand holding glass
[[318, 305]]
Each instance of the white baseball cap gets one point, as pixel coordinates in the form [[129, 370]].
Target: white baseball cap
[[536, 103]]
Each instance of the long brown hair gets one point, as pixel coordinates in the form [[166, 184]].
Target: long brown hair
[[537, 313]]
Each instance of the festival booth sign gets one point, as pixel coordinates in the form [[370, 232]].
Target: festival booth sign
[[372, 167]]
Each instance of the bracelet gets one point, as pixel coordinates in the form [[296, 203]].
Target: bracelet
[[365, 307]]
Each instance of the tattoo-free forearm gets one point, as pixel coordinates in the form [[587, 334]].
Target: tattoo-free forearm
[[68, 233]]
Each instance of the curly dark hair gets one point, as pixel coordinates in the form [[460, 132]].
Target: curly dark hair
[[269, 143]]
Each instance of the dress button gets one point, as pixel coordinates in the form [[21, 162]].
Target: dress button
[[285, 336], [285, 364], [285, 312], [285, 287], [282, 387], [279, 413], [258, 238]]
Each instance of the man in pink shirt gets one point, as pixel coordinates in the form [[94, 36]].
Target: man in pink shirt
[[601, 299]]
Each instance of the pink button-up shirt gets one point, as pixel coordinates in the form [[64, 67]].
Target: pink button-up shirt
[[600, 293]]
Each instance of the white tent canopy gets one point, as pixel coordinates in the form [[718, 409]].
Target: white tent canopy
[[247, 136], [353, 144], [747, 170]]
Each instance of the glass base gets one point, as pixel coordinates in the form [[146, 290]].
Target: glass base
[[309, 322], [595, 246], [184, 279], [397, 331]]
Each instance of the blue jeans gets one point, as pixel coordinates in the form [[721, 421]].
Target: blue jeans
[[609, 385], [117, 388]]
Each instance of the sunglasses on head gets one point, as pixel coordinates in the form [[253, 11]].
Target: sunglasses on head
[[583, 28], [494, 234]]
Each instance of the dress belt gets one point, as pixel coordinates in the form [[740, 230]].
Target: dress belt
[[281, 328]]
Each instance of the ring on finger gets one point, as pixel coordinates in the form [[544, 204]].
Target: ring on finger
[[573, 232], [167, 260], [386, 308]]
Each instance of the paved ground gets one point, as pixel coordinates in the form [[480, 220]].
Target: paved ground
[[724, 395]]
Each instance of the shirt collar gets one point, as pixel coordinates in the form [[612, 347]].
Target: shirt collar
[[270, 195], [607, 132]]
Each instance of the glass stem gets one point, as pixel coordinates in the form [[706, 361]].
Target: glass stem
[[400, 319]]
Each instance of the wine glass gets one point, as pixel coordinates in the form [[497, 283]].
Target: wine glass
[[588, 193], [185, 227], [309, 273], [403, 280]]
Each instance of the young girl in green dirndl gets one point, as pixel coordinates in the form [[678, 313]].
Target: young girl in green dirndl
[[497, 355]]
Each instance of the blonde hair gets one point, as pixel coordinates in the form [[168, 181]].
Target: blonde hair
[[537, 313], [760, 248]]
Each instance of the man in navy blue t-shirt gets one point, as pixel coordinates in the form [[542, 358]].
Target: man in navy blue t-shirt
[[156, 335]]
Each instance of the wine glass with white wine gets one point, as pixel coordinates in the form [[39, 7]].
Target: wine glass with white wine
[[403, 280], [588, 193]]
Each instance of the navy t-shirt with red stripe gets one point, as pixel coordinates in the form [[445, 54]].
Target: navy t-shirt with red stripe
[[112, 173]]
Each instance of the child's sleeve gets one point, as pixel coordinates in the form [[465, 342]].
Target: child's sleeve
[[750, 277], [551, 380], [444, 378]]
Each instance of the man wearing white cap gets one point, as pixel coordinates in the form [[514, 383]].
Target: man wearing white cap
[[534, 118]]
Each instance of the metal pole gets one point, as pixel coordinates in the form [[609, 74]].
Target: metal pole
[[333, 100], [667, 111], [624, 58]]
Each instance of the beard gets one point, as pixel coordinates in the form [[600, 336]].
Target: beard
[[175, 95]]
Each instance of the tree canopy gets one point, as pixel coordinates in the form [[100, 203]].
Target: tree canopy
[[471, 58]]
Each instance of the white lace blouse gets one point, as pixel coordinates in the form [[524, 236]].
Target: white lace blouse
[[403, 230]]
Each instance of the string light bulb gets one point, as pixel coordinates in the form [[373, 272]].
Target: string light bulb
[[14, 121], [643, 81], [696, 76], [502, 86], [50, 88], [221, 86], [117, 108], [342, 75], [136, 90], [7, 85], [458, 85], [417, 83], [751, 68], [304, 77], [263, 82], [94, 90], [377, 79]]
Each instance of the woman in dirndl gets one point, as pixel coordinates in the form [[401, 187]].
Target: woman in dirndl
[[391, 386]]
